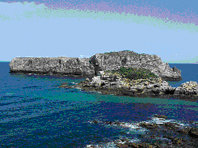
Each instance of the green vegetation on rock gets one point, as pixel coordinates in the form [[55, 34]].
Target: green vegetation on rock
[[134, 74], [128, 52]]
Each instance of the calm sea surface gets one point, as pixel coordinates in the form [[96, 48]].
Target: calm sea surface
[[35, 112]]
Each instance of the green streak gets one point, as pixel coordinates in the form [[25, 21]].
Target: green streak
[[193, 60]]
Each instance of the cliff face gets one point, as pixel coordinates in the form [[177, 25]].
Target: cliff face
[[91, 66], [115, 60], [63, 66]]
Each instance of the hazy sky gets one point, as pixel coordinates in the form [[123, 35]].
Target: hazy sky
[[82, 28]]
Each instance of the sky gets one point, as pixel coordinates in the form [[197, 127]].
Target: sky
[[81, 28]]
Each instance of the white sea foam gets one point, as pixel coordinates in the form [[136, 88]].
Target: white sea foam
[[130, 125], [104, 145], [73, 83], [134, 140], [161, 121], [111, 144]]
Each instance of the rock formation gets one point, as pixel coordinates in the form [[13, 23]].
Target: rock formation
[[91, 66], [129, 59], [61, 66], [109, 82], [159, 132], [188, 88]]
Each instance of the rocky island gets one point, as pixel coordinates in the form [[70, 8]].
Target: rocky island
[[88, 67], [120, 73]]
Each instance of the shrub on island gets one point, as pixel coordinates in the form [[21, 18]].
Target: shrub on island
[[134, 74]]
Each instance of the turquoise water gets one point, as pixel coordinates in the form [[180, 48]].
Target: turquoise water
[[35, 112]]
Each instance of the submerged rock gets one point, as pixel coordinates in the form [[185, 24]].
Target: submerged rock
[[148, 125], [160, 116]]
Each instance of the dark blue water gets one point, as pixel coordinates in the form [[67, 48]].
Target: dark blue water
[[189, 73], [35, 112]]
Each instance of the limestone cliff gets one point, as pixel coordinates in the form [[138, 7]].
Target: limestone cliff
[[128, 59], [91, 66], [60, 65]]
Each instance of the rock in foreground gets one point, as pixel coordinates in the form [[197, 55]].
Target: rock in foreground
[[91, 66], [156, 133]]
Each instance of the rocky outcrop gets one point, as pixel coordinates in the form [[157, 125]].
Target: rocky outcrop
[[193, 132], [112, 83], [62, 65], [188, 88], [158, 132], [91, 66], [129, 59]]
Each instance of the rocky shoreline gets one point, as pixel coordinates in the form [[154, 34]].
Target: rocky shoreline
[[89, 67], [159, 132], [101, 72], [113, 83]]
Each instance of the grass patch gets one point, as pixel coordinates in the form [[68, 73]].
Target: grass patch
[[134, 74]]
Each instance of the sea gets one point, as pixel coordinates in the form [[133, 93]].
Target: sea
[[36, 112]]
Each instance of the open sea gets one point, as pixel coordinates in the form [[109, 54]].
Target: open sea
[[35, 112]]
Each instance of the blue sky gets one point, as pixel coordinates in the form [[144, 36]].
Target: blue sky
[[35, 30], [172, 5]]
